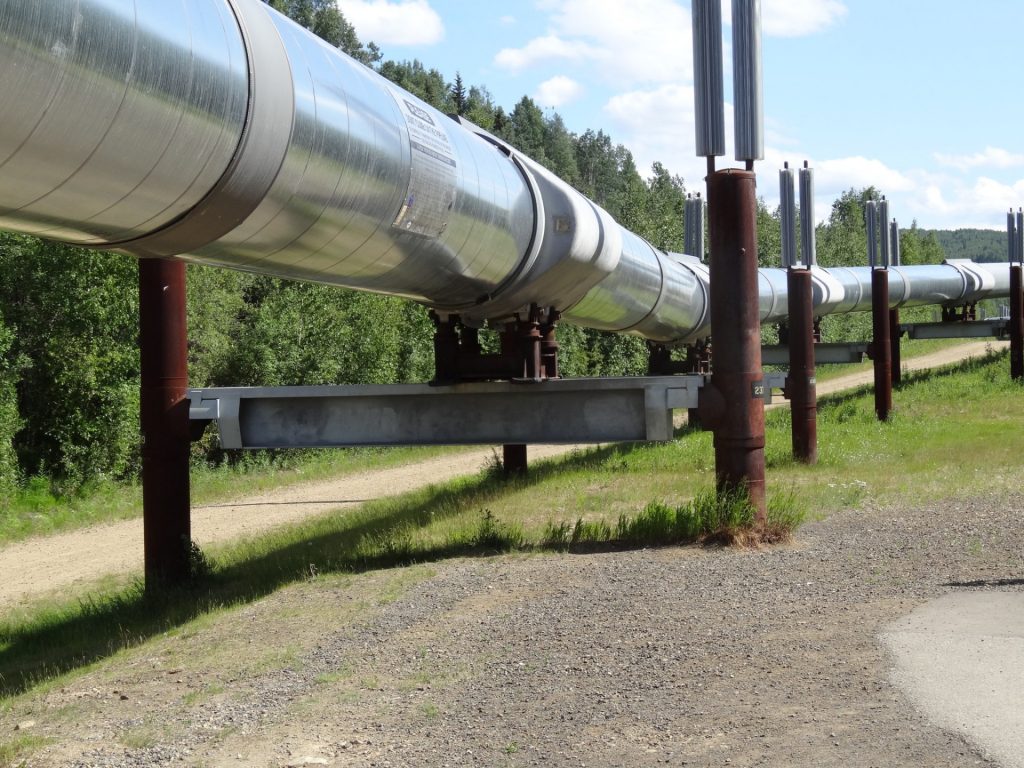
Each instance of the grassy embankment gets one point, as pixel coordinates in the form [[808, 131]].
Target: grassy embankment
[[37, 511], [955, 433]]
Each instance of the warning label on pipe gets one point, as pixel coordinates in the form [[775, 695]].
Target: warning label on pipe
[[432, 182]]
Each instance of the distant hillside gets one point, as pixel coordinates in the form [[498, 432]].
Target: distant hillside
[[976, 244]]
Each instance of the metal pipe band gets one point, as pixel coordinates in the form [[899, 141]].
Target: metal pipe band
[[576, 245], [379, 191], [662, 297], [121, 116], [265, 138]]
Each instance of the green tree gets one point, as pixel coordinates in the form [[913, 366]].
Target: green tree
[[560, 150], [480, 108], [76, 315], [525, 130], [10, 420], [427, 84], [843, 242], [769, 236], [666, 209], [459, 97]]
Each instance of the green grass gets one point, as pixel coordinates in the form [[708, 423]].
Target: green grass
[[953, 433], [15, 751]]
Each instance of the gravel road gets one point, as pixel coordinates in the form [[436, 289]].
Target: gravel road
[[676, 656]]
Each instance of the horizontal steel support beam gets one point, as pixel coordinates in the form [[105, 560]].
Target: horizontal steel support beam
[[998, 327], [599, 410], [824, 354]]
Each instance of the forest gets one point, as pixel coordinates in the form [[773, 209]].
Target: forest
[[69, 360]]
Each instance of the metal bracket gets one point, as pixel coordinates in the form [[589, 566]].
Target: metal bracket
[[998, 327], [772, 381], [841, 353], [554, 411]]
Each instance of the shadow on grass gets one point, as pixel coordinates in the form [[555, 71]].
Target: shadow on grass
[[373, 537]]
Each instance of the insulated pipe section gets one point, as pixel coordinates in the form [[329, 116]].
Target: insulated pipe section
[[839, 290], [117, 122], [220, 131], [223, 132]]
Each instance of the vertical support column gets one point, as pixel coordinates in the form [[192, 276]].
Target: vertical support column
[[734, 404], [163, 345], [549, 345], [513, 459], [1016, 323], [891, 234], [881, 345], [801, 385], [896, 358], [532, 339], [446, 349]]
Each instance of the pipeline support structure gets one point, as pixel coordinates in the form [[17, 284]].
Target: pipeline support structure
[[164, 404], [801, 383], [219, 132], [732, 405]]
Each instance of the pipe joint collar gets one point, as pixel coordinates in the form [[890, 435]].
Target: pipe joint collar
[[261, 149]]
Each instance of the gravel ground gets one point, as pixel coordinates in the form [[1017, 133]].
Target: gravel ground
[[676, 656]]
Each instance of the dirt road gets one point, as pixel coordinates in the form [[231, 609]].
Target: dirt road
[[39, 566]]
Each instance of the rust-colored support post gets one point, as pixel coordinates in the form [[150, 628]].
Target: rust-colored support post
[[881, 345], [513, 459], [894, 346], [446, 349], [732, 405], [549, 345], [1016, 323], [532, 340], [163, 346], [801, 384]]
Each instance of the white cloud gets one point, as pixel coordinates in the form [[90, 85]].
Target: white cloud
[[541, 49], [955, 202], [557, 91], [407, 22], [842, 173], [644, 41], [990, 157], [658, 125], [797, 18], [507, 20], [794, 18]]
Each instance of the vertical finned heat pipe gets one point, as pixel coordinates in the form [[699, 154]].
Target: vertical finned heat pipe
[[787, 209], [748, 84], [708, 92], [808, 248]]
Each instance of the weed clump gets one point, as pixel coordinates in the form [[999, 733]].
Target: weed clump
[[563, 536], [709, 518], [495, 536]]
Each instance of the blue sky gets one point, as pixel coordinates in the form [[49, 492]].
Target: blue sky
[[920, 98]]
